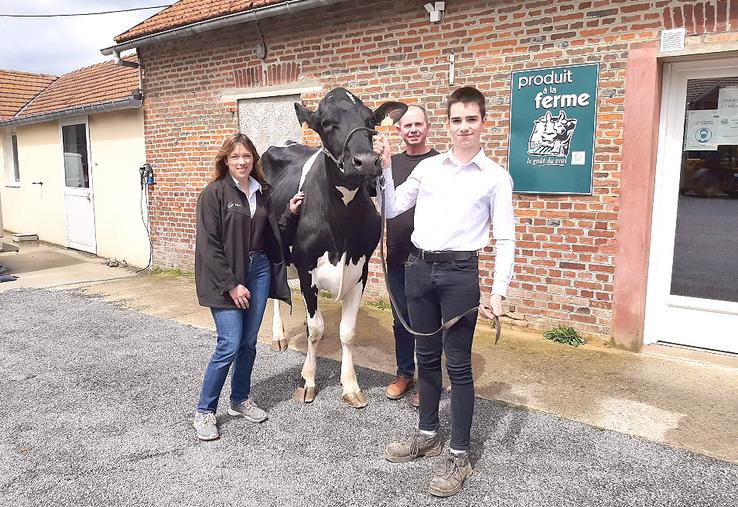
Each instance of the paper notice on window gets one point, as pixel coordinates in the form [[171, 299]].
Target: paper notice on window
[[728, 112], [701, 131]]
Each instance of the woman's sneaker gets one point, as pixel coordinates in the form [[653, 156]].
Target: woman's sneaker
[[249, 411], [205, 426]]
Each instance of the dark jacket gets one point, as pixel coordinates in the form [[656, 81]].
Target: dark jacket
[[222, 244]]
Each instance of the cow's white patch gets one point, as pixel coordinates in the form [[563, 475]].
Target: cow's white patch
[[338, 279], [347, 195], [350, 96]]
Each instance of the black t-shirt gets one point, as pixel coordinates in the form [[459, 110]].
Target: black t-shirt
[[401, 227]]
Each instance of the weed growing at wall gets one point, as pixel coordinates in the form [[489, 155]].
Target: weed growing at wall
[[566, 335]]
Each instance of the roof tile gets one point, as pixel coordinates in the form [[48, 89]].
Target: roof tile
[[102, 82], [17, 88], [186, 12]]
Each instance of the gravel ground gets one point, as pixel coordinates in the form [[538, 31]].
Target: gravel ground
[[97, 406]]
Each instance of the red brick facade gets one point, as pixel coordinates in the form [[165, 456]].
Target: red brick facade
[[389, 50]]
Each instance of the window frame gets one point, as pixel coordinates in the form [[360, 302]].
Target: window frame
[[11, 162]]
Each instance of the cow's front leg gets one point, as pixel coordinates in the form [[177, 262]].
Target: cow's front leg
[[279, 339], [315, 327], [352, 395]]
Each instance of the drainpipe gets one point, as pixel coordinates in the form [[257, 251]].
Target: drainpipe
[[123, 63]]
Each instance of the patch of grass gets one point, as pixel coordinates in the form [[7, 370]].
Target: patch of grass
[[566, 335], [379, 304], [172, 273]]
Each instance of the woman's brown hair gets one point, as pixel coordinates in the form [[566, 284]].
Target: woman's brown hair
[[221, 166]]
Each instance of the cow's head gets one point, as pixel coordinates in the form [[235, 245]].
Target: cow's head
[[336, 121]]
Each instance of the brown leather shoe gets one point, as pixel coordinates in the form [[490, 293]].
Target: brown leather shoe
[[416, 446], [415, 400], [449, 480], [399, 387]]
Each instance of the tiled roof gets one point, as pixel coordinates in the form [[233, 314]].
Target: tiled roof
[[17, 88], [96, 84], [186, 12]]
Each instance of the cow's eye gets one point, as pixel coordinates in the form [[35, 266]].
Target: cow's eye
[[326, 124]]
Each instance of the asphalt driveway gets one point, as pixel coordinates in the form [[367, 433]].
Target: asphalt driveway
[[97, 405]]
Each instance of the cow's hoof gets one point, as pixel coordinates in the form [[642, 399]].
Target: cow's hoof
[[305, 394], [279, 345], [355, 400]]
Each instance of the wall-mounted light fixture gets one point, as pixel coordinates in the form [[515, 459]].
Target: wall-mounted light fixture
[[435, 10], [260, 49]]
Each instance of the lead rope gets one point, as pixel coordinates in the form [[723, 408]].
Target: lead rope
[[446, 325]]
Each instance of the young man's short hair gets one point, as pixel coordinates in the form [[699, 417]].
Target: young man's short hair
[[466, 95]]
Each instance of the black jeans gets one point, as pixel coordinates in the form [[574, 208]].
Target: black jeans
[[437, 292]]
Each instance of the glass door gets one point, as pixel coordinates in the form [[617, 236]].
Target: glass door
[[692, 296], [79, 209]]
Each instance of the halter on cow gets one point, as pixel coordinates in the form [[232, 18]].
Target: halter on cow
[[339, 226]]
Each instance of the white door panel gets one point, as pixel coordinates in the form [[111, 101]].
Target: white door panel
[[79, 209]]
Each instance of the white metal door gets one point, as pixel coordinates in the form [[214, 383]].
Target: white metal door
[[79, 209], [692, 296]]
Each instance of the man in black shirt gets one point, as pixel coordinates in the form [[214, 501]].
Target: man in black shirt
[[413, 129]]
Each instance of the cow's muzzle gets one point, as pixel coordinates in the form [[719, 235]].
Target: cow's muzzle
[[358, 161], [366, 164]]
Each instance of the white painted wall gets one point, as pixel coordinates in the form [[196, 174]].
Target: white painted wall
[[34, 208], [116, 152]]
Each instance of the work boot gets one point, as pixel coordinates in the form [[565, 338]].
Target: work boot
[[399, 387], [248, 410], [415, 400], [416, 446], [449, 479], [205, 426]]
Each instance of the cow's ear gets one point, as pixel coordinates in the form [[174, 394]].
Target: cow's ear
[[394, 110], [304, 115]]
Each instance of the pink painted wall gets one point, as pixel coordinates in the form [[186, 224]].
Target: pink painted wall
[[641, 131]]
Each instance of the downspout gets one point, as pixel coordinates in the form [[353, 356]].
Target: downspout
[[285, 8]]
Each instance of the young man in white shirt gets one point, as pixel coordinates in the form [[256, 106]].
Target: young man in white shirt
[[457, 196]]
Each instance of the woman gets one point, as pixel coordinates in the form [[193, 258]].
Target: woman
[[238, 265]]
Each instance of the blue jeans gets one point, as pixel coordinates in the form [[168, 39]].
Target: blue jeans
[[404, 341], [237, 331]]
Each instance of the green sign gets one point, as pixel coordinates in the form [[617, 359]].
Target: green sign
[[553, 114]]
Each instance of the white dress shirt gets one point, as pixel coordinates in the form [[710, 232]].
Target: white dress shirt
[[254, 186], [454, 206]]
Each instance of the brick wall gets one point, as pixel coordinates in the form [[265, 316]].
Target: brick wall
[[388, 50]]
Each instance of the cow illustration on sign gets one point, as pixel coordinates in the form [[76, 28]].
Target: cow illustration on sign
[[551, 136]]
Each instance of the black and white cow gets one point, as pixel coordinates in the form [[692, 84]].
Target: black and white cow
[[338, 227]]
